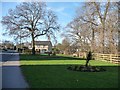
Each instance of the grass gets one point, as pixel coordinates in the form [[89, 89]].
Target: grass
[[51, 72], [46, 57]]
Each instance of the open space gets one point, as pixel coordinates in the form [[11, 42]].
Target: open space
[[60, 44], [51, 72]]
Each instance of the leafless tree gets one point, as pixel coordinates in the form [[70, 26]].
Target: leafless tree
[[65, 46], [31, 19], [96, 26], [79, 32]]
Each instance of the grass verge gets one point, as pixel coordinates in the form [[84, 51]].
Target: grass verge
[[51, 72]]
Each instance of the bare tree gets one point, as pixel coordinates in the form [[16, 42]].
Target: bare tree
[[111, 32], [65, 45], [95, 14], [102, 16], [79, 32], [31, 19], [96, 27]]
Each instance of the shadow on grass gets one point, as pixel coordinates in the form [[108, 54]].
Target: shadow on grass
[[63, 78], [46, 57]]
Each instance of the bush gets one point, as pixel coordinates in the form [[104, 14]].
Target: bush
[[54, 53], [27, 51], [48, 53]]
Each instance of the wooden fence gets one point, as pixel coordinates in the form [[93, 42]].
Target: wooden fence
[[113, 58]]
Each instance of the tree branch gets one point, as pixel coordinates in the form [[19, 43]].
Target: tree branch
[[45, 31], [105, 14], [98, 11], [89, 21]]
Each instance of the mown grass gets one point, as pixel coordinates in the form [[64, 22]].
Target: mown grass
[[46, 57], [52, 72]]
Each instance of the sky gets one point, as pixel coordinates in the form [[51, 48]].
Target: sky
[[64, 10]]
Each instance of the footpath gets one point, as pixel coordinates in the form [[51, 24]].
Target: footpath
[[12, 76]]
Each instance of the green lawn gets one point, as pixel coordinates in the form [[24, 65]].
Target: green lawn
[[51, 72]]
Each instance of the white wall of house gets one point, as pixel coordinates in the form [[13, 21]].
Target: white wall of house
[[42, 48]]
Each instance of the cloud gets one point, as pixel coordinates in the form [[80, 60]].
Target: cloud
[[59, 10]]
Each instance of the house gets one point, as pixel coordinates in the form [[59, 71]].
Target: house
[[40, 47], [43, 46], [6, 45]]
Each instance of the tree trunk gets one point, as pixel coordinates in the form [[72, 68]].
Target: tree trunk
[[33, 44], [103, 32], [92, 43], [87, 61]]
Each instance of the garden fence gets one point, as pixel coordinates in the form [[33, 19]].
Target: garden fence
[[113, 58]]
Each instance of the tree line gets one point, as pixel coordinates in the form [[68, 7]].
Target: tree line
[[94, 27]]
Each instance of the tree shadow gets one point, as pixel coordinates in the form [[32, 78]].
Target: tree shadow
[[46, 57]]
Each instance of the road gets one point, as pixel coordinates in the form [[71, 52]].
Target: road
[[12, 76]]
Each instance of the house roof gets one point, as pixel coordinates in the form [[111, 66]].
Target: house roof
[[43, 43]]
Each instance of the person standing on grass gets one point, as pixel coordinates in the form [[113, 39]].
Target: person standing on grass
[[89, 57]]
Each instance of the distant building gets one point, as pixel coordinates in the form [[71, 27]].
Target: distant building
[[40, 46], [6, 45], [43, 46]]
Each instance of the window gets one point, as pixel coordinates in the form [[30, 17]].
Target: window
[[44, 50]]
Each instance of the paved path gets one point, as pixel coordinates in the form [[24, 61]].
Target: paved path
[[12, 77], [11, 73]]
